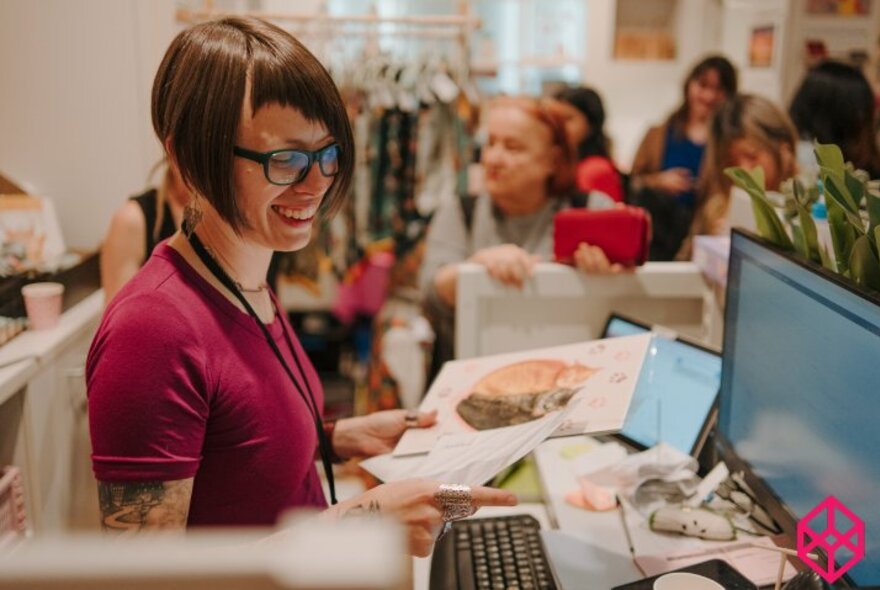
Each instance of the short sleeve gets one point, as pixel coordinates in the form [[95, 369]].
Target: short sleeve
[[148, 394], [446, 243], [598, 174]]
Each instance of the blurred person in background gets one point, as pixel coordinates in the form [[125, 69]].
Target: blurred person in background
[[583, 113], [137, 226], [748, 131], [529, 168], [667, 165], [836, 104]]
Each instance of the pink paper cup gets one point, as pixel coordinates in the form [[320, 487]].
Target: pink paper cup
[[42, 301]]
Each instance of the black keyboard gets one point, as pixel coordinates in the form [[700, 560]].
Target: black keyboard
[[501, 553]]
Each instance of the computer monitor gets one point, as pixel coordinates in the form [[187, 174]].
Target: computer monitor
[[675, 398], [800, 400]]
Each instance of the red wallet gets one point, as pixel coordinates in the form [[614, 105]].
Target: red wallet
[[623, 233]]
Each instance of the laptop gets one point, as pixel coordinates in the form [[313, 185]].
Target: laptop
[[676, 398]]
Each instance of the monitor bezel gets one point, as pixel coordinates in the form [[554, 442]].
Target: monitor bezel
[[764, 494], [708, 424], [834, 277]]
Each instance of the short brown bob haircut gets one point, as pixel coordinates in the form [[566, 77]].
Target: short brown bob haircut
[[198, 94]]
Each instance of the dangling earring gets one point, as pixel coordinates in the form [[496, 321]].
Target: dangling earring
[[192, 215]]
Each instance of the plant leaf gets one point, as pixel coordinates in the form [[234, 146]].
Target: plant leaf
[[800, 243], [829, 155], [751, 181], [872, 202], [877, 239], [842, 235], [836, 189], [809, 233], [864, 264], [827, 261], [769, 225], [856, 188], [799, 192]]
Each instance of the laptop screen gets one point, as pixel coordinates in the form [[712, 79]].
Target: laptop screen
[[676, 390]]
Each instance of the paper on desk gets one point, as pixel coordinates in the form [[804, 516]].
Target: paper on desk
[[574, 561], [471, 458], [758, 565], [637, 477], [492, 392]]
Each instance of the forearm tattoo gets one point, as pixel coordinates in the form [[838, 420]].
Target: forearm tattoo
[[131, 507], [372, 509]]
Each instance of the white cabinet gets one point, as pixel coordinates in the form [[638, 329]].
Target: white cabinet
[[43, 423]]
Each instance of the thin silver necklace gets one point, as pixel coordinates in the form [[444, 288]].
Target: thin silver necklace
[[258, 289]]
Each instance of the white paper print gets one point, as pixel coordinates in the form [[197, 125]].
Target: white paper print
[[501, 391]]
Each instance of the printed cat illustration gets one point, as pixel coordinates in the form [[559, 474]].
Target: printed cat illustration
[[522, 392]]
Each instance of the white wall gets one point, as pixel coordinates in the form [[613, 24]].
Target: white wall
[[739, 18], [75, 80]]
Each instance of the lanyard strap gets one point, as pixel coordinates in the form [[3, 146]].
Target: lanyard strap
[[324, 446]]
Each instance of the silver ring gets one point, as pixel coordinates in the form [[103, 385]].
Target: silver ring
[[455, 500], [411, 418]]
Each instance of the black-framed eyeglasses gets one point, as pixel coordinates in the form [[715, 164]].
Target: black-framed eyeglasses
[[285, 167]]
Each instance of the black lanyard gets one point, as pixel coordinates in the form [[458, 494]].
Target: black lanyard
[[324, 447]]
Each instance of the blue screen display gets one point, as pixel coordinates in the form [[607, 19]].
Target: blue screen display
[[800, 394], [675, 393]]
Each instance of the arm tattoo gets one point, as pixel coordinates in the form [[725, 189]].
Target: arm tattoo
[[360, 511], [135, 506]]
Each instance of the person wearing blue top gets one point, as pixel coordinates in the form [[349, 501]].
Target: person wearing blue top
[[669, 159]]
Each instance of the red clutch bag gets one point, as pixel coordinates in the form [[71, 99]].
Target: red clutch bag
[[623, 233]]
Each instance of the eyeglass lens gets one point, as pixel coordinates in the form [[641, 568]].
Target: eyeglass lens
[[290, 166]]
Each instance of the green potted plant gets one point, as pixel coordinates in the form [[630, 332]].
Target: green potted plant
[[855, 234]]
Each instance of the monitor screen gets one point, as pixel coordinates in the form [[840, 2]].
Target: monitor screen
[[676, 390], [800, 388]]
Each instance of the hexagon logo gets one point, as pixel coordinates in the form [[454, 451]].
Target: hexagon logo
[[842, 538]]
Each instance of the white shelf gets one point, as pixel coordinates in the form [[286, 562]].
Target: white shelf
[[15, 376], [24, 355]]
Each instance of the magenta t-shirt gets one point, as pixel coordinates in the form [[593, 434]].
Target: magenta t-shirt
[[182, 383]]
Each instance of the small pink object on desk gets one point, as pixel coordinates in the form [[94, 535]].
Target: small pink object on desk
[[42, 301], [592, 496]]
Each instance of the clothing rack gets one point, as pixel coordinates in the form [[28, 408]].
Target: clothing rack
[[456, 20], [464, 20], [454, 27]]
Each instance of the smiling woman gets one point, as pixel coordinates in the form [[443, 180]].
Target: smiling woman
[[203, 407]]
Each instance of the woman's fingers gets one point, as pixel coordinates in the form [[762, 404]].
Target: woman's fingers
[[508, 264], [424, 523], [589, 258], [592, 259], [498, 270], [421, 542], [504, 269], [426, 419], [483, 496]]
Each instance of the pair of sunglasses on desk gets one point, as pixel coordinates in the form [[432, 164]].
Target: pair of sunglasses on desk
[[736, 492]]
